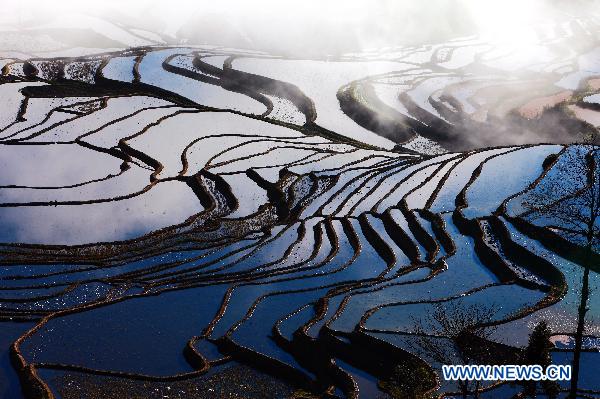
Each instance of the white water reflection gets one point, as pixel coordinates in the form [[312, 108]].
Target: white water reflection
[[166, 204]]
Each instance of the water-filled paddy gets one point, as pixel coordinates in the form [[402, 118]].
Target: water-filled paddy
[[176, 218]]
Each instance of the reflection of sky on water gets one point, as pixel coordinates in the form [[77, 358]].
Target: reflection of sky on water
[[9, 381], [320, 83], [53, 166], [166, 204], [152, 72], [562, 316], [588, 377], [53, 176], [101, 339]]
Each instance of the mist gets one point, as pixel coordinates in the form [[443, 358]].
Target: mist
[[535, 59], [302, 29]]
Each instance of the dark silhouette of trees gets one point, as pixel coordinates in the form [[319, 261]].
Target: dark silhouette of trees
[[537, 352], [406, 382], [568, 204], [465, 326]]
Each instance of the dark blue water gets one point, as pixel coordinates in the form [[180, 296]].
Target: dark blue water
[[9, 382]]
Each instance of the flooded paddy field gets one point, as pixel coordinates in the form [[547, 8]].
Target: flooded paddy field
[[182, 220]]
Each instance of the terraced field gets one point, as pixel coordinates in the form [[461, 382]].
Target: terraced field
[[169, 213]]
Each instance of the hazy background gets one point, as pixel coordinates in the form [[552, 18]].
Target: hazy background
[[306, 28]]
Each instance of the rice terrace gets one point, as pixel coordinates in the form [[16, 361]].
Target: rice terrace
[[298, 200]]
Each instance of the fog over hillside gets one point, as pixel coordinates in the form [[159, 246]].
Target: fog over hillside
[[301, 28]]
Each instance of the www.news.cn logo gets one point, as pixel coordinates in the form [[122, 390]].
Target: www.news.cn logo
[[508, 372]]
